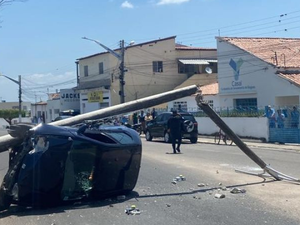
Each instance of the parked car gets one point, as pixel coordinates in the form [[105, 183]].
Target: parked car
[[157, 128], [61, 118], [59, 164]]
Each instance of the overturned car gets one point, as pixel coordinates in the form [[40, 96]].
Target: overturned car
[[57, 164]]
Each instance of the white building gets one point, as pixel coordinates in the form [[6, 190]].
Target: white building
[[66, 99], [256, 72], [25, 106], [38, 111], [151, 67]]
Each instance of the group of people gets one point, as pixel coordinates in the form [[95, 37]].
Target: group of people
[[279, 117], [143, 118]]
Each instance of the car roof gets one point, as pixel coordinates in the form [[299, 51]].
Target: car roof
[[181, 113]]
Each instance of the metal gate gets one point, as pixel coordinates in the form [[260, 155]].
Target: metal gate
[[284, 135]]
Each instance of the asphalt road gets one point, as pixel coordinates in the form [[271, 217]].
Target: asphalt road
[[161, 202]]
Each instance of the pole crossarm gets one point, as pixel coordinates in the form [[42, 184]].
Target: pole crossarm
[[224, 127]]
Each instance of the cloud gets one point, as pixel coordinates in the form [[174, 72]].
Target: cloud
[[168, 2], [127, 4]]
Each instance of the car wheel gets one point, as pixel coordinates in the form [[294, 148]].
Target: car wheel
[[167, 137], [188, 126], [5, 199], [148, 136], [194, 140]]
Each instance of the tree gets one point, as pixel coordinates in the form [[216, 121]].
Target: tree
[[9, 114]]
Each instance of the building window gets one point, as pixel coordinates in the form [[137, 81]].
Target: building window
[[101, 70], [180, 106], [211, 103], [157, 66], [246, 104], [56, 111], [86, 71], [188, 69], [103, 105]]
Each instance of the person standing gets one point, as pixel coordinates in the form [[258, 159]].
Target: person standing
[[135, 118], [142, 121], [148, 117], [175, 127], [270, 114], [294, 117], [280, 119], [153, 113]]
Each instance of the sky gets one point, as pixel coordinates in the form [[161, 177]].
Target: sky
[[41, 39]]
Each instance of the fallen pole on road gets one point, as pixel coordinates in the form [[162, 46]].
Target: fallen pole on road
[[223, 126], [8, 141]]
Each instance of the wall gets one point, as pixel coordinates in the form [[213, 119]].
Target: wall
[[192, 104], [53, 105], [86, 106], [26, 106], [242, 126], [255, 79]]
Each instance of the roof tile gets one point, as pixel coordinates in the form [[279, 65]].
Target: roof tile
[[294, 78], [281, 52]]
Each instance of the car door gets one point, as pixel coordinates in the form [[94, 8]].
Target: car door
[[162, 125], [155, 126]]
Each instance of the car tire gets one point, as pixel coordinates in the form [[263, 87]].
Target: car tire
[[5, 199], [167, 137], [148, 136], [194, 140]]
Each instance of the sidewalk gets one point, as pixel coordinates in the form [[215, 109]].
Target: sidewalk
[[253, 143]]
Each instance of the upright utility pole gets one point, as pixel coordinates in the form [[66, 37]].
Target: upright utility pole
[[20, 99], [20, 94], [122, 73]]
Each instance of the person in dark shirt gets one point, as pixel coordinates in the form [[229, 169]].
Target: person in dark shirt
[[153, 113], [142, 121], [175, 127]]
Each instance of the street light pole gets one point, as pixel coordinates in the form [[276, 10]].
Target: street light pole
[[122, 68], [20, 94]]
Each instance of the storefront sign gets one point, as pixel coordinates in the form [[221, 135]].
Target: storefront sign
[[95, 96]]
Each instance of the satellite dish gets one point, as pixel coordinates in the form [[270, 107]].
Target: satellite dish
[[132, 43], [208, 70]]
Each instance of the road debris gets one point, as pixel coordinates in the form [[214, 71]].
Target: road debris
[[133, 210], [168, 205], [237, 191], [196, 197], [218, 195], [201, 185], [178, 179]]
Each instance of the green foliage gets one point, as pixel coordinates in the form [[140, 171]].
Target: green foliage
[[9, 114]]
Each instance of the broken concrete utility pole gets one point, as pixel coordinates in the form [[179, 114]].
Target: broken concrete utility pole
[[224, 127], [8, 141]]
